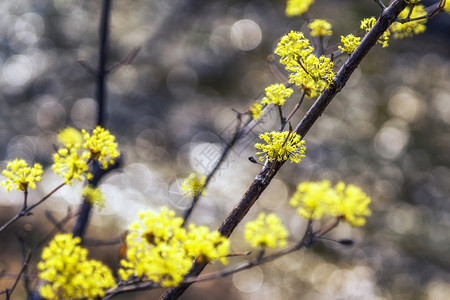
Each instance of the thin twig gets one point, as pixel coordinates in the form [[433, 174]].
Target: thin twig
[[383, 7], [26, 210], [126, 61]]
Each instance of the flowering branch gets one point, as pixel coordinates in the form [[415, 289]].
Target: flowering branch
[[262, 180]]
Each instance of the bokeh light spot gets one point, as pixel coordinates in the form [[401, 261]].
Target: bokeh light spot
[[246, 35]]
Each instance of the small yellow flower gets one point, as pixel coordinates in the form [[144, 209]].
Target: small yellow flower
[[447, 6], [193, 185], [320, 28], [313, 74], [313, 199], [93, 195], [277, 94], [207, 246], [297, 7], [155, 249], [20, 175], [71, 165], [280, 146], [367, 25], [350, 43], [70, 137], [256, 110], [351, 204], [412, 28], [68, 273], [266, 231], [102, 146]]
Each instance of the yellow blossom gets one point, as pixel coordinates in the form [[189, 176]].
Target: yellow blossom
[[256, 110], [20, 175], [266, 231], [412, 28], [447, 6], [160, 249], [70, 137], [71, 165], [277, 94], [313, 74], [93, 195], [102, 146], [281, 146], [351, 204], [313, 199], [68, 273], [320, 28], [367, 25], [350, 43], [297, 7], [207, 246], [193, 185]]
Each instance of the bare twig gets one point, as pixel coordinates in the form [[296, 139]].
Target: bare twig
[[432, 10], [27, 210], [126, 61]]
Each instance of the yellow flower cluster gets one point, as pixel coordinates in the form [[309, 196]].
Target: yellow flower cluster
[[277, 94], [320, 28], [447, 6], [367, 24], [297, 7], [412, 28], [102, 146], [80, 148], [316, 199], [206, 245], [280, 146], [93, 195], [350, 43], [70, 164], [256, 110], [70, 137], [69, 274], [20, 175], [313, 74], [161, 250], [266, 231], [192, 185]]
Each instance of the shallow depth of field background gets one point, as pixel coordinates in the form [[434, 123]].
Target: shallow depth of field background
[[388, 131]]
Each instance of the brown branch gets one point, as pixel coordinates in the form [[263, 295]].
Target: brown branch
[[388, 16], [27, 210]]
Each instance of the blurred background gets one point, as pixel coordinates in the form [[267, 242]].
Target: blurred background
[[171, 110]]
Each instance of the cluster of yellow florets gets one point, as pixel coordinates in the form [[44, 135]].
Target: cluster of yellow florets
[[193, 185], [411, 28], [297, 7], [313, 74], [20, 175], [320, 28], [276, 94], [67, 272], [367, 24], [81, 148], [93, 195], [280, 146], [161, 250], [350, 43], [316, 199], [256, 110], [266, 231]]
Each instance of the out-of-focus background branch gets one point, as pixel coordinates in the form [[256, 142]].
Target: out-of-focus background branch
[[171, 109]]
